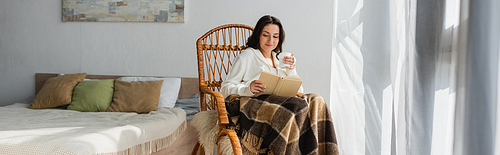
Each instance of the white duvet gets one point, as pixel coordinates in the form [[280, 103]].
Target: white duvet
[[56, 131]]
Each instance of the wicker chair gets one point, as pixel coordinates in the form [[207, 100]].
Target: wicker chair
[[216, 50]]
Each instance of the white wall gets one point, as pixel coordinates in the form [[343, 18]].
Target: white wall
[[33, 39]]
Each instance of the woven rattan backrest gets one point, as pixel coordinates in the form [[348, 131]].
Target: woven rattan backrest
[[217, 50]]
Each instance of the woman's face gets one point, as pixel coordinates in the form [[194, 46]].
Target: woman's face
[[269, 37]]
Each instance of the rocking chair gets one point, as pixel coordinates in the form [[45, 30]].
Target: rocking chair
[[216, 52]]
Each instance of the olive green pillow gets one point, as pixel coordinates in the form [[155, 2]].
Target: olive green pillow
[[139, 97], [92, 95], [57, 91]]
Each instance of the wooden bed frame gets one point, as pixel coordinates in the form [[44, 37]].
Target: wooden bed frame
[[189, 86]]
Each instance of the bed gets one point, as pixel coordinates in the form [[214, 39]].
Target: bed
[[57, 130]]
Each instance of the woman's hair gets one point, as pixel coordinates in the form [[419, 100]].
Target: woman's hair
[[253, 40]]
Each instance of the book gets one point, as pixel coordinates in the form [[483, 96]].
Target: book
[[279, 85]]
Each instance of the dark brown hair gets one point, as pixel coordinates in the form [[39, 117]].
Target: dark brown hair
[[253, 40]]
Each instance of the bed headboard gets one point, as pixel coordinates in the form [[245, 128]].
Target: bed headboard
[[189, 86]]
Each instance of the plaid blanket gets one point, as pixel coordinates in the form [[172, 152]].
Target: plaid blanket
[[279, 125]]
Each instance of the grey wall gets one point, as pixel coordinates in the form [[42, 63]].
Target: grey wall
[[33, 39]]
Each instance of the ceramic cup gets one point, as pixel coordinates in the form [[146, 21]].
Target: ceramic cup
[[282, 58]]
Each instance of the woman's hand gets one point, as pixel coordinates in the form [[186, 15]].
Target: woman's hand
[[257, 87], [290, 60]]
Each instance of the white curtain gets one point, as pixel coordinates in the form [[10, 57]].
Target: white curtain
[[416, 76], [421, 73], [476, 124], [347, 71]]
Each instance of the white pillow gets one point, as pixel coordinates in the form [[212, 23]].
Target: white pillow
[[61, 74], [169, 89]]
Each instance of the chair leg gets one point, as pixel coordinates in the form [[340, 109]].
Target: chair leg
[[196, 148], [202, 150], [218, 150]]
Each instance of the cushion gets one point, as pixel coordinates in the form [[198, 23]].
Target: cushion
[[169, 89], [57, 91], [139, 96], [193, 102], [191, 105], [92, 95]]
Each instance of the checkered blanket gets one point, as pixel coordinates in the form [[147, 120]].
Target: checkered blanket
[[280, 125]]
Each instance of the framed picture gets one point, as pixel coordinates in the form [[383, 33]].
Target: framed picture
[[164, 11]]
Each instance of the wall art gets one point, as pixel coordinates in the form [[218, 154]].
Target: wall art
[[169, 11]]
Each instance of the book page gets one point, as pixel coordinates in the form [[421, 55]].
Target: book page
[[270, 80], [290, 87], [296, 77], [278, 85]]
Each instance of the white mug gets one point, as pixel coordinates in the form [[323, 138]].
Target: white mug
[[281, 56]]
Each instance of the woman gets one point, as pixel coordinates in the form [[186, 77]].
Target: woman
[[271, 124], [264, 46]]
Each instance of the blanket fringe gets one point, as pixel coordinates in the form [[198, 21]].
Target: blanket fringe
[[152, 146], [251, 143]]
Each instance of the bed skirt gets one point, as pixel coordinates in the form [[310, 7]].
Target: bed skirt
[[152, 146]]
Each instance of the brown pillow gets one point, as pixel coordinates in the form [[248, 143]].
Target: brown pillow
[[57, 91], [139, 97]]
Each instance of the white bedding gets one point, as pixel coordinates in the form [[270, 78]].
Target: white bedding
[[56, 131]]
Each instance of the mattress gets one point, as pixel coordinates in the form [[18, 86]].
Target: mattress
[[60, 131]]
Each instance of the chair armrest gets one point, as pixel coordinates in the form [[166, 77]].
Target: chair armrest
[[221, 105], [235, 142]]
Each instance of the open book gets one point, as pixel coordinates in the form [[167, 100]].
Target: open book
[[279, 85]]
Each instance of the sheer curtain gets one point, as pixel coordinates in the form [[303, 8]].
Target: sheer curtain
[[416, 76], [477, 88], [421, 78]]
